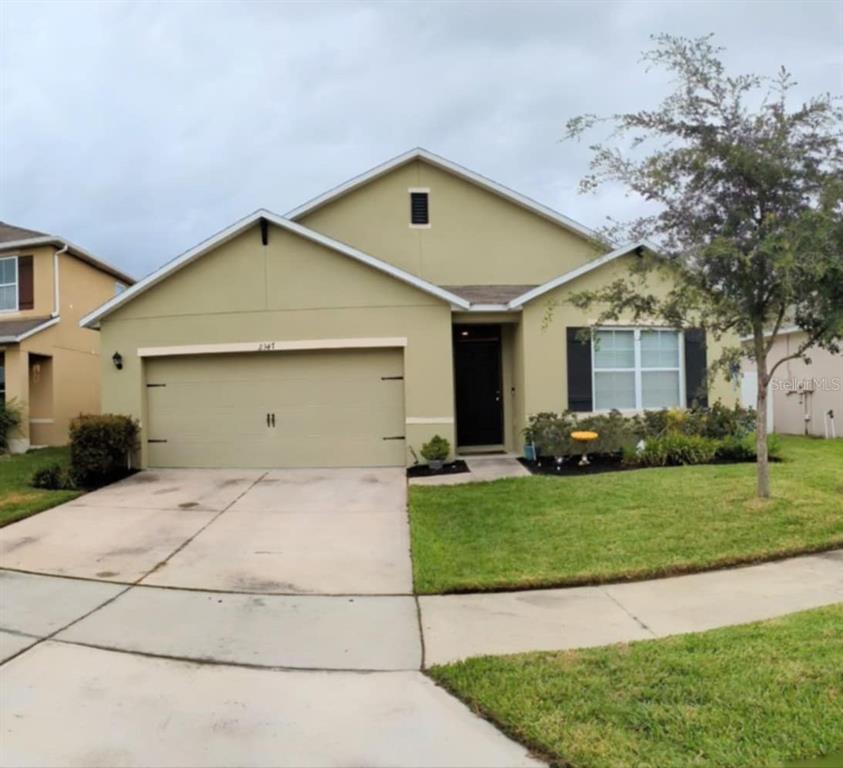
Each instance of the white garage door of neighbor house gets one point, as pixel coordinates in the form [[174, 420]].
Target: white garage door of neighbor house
[[277, 409]]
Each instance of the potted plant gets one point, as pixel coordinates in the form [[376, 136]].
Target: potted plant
[[529, 450], [435, 452]]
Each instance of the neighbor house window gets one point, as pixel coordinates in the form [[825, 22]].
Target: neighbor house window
[[9, 283], [635, 369], [419, 208]]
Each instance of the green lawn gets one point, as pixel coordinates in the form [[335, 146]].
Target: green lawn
[[547, 531], [17, 498], [765, 694]]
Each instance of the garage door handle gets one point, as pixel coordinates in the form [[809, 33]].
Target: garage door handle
[[267, 419], [273, 421]]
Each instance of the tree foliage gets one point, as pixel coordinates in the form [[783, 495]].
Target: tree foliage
[[748, 199]]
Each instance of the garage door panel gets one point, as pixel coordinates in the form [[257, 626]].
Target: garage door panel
[[331, 409]]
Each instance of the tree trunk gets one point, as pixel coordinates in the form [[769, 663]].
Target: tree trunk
[[762, 463]]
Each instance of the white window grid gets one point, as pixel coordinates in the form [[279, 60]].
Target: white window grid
[[13, 284], [638, 370]]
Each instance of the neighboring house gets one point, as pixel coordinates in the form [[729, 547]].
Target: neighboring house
[[407, 302], [804, 398], [48, 364]]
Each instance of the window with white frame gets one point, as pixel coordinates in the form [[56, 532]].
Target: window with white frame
[[635, 369], [9, 283]]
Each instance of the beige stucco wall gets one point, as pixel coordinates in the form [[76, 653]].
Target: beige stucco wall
[[544, 357], [475, 236], [74, 351], [791, 404], [291, 289]]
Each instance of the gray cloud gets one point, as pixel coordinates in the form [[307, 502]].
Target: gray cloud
[[137, 130]]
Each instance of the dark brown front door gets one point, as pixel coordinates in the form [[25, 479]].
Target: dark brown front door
[[477, 373]]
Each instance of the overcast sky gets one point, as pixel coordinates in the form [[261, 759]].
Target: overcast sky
[[138, 129]]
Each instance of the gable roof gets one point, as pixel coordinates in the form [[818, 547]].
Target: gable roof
[[438, 161], [92, 319], [15, 238]]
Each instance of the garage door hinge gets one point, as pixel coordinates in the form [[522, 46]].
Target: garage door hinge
[[155, 441], [396, 437], [156, 385], [392, 378]]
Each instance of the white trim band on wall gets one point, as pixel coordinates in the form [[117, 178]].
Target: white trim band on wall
[[429, 420], [273, 346]]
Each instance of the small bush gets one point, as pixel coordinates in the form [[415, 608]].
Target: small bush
[[437, 449], [673, 450], [53, 477], [100, 448], [551, 433], [733, 448], [10, 419]]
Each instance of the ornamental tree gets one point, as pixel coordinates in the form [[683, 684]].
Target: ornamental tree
[[748, 198]]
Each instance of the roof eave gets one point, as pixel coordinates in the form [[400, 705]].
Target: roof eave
[[519, 301], [31, 332], [79, 252]]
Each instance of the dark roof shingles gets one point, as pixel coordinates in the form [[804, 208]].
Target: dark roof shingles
[[488, 294], [9, 233], [14, 328]]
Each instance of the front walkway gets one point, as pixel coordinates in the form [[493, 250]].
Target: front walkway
[[236, 618]]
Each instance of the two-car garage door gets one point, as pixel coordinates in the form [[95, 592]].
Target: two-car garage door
[[277, 409]]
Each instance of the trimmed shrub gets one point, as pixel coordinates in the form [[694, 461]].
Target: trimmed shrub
[[551, 433], [10, 419], [673, 450], [437, 449], [53, 477], [100, 448]]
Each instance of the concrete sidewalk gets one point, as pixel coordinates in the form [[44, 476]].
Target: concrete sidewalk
[[482, 469], [460, 626], [66, 705]]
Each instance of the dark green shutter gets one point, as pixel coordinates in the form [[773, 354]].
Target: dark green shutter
[[579, 371], [696, 368]]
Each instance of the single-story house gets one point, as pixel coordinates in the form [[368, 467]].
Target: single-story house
[[407, 302], [804, 398], [49, 366]]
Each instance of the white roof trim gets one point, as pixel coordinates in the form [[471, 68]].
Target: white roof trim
[[31, 332], [540, 290], [81, 253], [475, 178], [92, 319]]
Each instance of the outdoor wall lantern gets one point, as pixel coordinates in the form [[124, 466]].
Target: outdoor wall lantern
[[117, 359]]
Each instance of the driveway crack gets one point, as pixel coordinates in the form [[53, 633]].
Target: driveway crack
[[629, 613]]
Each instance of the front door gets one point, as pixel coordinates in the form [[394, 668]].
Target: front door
[[477, 374]]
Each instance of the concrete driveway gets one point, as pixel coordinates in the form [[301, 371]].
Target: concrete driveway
[[340, 531], [225, 618]]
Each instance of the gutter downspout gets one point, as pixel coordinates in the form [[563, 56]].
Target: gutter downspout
[[56, 304]]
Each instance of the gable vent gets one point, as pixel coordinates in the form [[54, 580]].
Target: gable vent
[[419, 212]]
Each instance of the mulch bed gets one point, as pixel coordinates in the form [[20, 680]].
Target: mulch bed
[[598, 463], [452, 468]]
